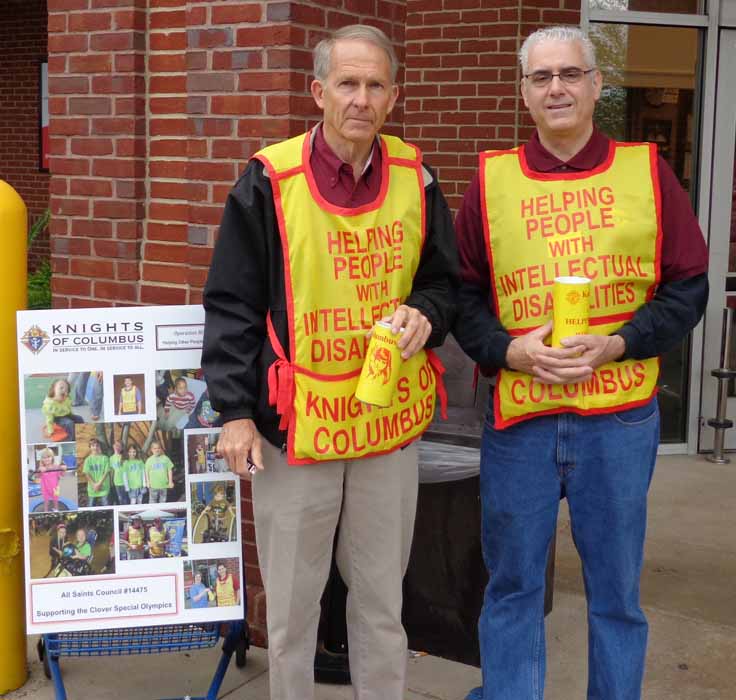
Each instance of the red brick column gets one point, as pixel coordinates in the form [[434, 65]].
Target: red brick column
[[96, 105], [225, 79], [462, 80], [22, 48]]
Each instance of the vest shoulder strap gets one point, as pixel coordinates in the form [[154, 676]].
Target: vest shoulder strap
[[495, 153], [283, 156], [630, 149], [397, 148], [500, 152]]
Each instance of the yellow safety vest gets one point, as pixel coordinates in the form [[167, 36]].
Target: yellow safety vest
[[225, 591], [345, 269], [604, 224], [130, 405], [155, 538], [135, 537]]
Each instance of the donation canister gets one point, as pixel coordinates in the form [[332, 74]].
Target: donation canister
[[570, 307], [381, 366]]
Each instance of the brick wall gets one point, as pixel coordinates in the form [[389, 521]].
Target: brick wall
[[98, 147], [461, 87], [22, 48]]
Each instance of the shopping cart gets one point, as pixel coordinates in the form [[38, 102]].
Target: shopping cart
[[145, 640]]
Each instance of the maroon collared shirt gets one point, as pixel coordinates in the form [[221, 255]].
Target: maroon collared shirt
[[684, 253], [335, 179]]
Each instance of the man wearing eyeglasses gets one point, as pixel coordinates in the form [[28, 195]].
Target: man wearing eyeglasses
[[581, 420]]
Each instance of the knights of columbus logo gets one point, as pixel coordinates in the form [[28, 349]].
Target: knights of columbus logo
[[35, 339]]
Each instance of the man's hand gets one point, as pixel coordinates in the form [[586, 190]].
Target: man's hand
[[240, 440], [417, 329], [547, 365], [574, 362], [598, 349]]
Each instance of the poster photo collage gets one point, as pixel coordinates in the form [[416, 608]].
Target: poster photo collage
[[123, 481]]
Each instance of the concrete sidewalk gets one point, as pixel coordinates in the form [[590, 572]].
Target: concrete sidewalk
[[688, 591]]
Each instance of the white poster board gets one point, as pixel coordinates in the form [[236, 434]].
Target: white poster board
[[151, 537]]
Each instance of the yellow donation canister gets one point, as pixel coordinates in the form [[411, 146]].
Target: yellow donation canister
[[570, 307], [381, 367]]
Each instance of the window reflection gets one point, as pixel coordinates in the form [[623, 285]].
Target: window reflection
[[649, 85], [679, 6], [649, 78]]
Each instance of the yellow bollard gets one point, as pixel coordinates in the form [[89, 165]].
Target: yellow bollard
[[13, 296]]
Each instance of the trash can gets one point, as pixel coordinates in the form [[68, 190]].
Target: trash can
[[446, 579]]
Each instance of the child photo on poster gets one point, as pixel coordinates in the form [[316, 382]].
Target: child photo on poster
[[152, 473]]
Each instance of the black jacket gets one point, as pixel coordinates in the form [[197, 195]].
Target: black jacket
[[246, 280]]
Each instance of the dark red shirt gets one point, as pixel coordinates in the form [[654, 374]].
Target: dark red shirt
[[335, 179], [684, 253]]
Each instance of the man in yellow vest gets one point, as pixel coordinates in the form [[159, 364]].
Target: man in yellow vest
[[324, 235], [580, 420]]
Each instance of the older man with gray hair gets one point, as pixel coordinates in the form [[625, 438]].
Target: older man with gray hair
[[580, 420], [324, 235]]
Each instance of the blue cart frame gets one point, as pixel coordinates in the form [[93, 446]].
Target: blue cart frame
[[145, 640]]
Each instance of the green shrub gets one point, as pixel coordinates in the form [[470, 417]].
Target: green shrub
[[39, 282], [39, 287]]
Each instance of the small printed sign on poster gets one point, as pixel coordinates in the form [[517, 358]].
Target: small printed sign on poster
[[131, 517]]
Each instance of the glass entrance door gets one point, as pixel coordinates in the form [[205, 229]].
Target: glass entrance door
[[722, 240], [651, 93]]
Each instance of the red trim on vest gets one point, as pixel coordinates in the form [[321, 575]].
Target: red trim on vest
[[439, 370], [502, 424], [296, 170], [280, 379], [345, 211], [654, 170], [579, 175], [278, 206], [487, 221], [405, 162]]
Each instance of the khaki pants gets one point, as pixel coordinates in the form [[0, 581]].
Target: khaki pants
[[297, 511]]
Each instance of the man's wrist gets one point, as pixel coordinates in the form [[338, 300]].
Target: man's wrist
[[617, 347], [511, 355]]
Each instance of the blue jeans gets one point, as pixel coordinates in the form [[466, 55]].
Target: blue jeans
[[136, 495], [95, 400], [603, 464], [68, 422], [95, 501], [157, 495]]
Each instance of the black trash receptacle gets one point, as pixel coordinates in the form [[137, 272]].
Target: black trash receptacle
[[446, 579]]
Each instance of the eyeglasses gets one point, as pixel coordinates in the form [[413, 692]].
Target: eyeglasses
[[569, 76]]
